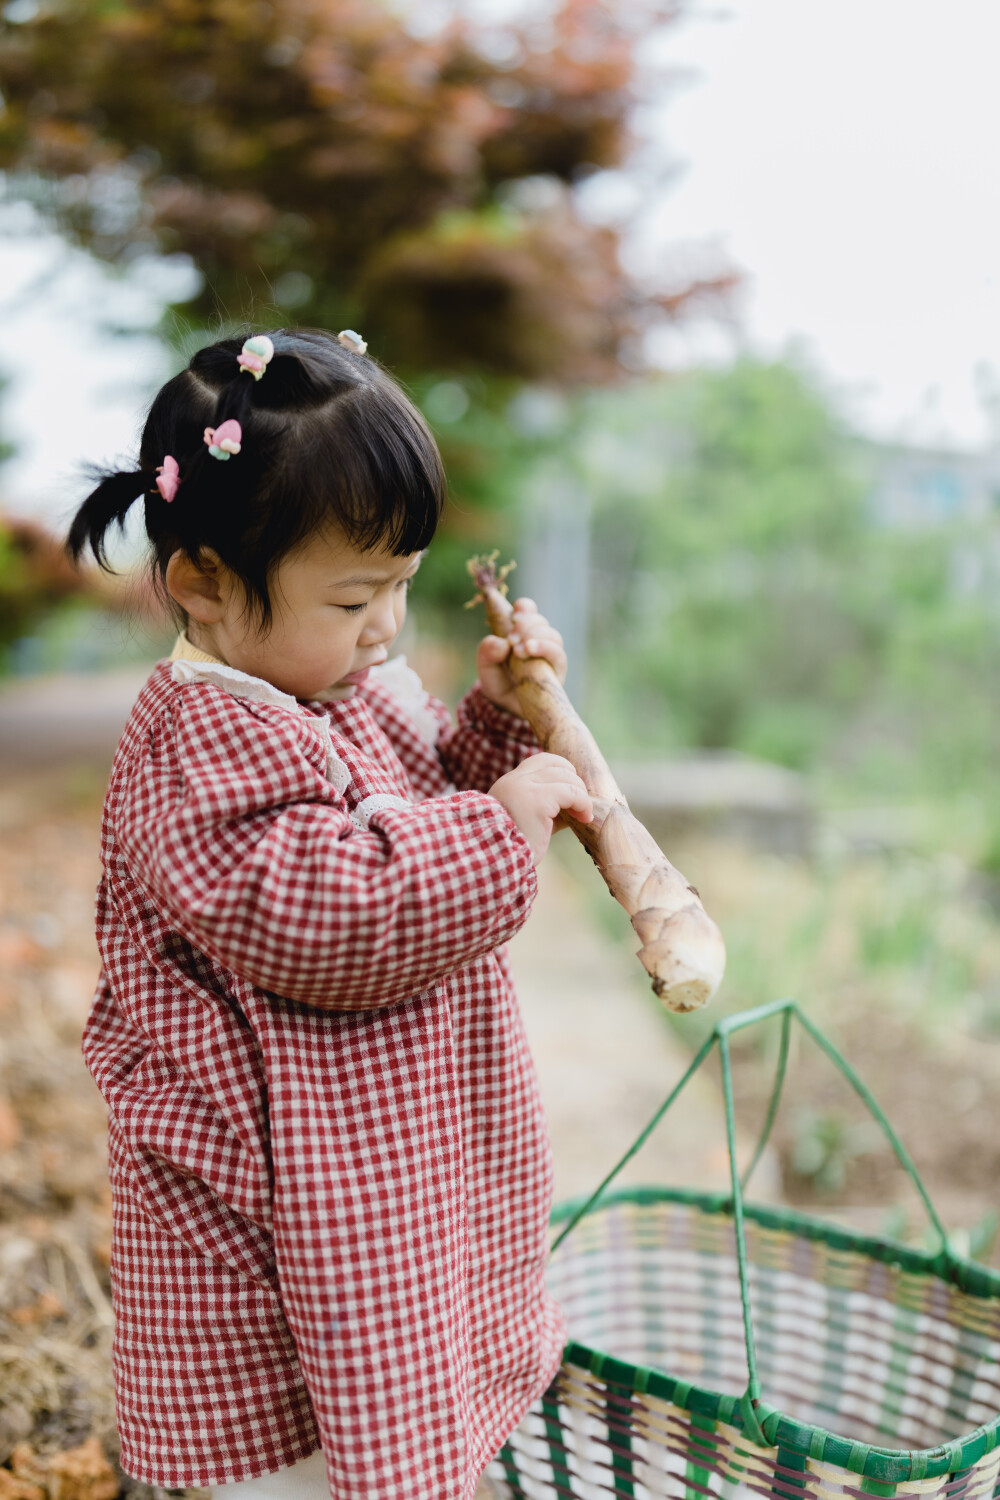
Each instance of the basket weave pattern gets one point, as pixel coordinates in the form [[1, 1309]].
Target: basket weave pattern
[[895, 1349]]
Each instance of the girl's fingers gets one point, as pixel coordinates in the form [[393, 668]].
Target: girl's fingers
[[536, 637], [564, 784], [526, 618], [494, 647], [533, 636], [574, 799], [529, 625], [537, 643], [550, 651], [548, 764]]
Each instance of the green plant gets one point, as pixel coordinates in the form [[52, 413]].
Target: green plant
[[824, 1146]]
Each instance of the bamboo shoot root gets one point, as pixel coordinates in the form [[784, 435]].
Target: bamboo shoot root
[[681, 947]]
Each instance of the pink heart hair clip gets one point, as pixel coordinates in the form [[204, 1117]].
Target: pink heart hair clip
[[169, 477], [224, 440]]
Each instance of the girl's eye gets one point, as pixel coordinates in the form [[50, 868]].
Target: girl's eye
[[406, 584], [352, 609]]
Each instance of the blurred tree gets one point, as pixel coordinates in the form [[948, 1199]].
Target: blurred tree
[[763, 524], [324, 158], [7, 449], [35, 576], [728, 522], [34, 571], [743, 595]]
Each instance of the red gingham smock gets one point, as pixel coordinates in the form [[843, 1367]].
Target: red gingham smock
[[330, 1170]]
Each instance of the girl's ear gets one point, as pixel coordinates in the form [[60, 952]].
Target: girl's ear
[[199, 588]]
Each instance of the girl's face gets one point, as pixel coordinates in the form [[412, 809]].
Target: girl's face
[[336, 612]]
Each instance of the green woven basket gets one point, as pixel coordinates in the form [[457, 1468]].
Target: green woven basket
[[719, 1349]]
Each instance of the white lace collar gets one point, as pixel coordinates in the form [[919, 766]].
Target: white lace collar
[[398, 679], [240, 684], [403, 683]]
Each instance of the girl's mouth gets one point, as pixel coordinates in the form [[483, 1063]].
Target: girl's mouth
[[355, 678]]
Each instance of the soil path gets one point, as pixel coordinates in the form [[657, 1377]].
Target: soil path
[[63, 719], [606, 1056]]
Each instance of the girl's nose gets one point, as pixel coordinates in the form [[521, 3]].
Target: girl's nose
[[380, 622]]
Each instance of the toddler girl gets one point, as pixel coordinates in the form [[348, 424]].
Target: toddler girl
[[330, 1170]]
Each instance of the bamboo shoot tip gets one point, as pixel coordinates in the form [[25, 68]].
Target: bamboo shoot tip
[[486, 575], [688, 996]]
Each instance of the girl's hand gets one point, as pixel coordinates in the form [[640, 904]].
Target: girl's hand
[[536, 792], [531, 635]]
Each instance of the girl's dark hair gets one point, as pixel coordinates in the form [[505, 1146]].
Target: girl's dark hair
[[329, 438]]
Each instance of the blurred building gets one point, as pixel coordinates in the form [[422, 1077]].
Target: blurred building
[[926, 487]]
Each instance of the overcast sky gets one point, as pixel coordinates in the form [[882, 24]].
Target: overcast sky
[[846, 153], [843, 155]]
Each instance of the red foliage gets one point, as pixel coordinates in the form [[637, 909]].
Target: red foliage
[[35, 573], [321, 138]]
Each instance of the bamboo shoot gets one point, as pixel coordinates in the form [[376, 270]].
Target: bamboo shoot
[[682, 948]]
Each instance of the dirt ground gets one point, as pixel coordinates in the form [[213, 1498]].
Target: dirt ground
[[897, 959], [55, 1312], [942, 1096]]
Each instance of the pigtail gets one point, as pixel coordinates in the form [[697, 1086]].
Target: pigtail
[[104, 507], [298, 379], [235, 403]]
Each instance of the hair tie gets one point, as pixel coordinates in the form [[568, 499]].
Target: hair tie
[[224, 439], [170, 477], [352, 340], [256, 354]]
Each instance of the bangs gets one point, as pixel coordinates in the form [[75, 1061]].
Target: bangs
[[368, 465]]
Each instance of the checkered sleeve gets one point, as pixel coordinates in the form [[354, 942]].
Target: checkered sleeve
[[240, 841], [486, 743]]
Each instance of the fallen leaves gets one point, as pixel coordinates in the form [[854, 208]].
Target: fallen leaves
[[43, 1308], [13, 1488], [81, 1473], [10, 1125], [56, 1399]]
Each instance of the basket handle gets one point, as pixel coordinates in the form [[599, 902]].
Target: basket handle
[[947, 1263]]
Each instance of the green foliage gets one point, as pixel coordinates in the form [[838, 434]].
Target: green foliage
[[974, 1243], [485, 470], [726, 583], [744, 595], [824, 1146]]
